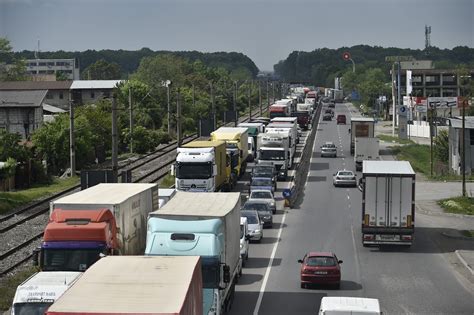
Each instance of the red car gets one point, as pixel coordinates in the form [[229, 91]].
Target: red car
[[320, 268], [341, 119]]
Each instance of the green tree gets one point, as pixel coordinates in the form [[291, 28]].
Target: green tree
[[102, 70], [11, 68], [372, 85], [10, 147], [441, 146]]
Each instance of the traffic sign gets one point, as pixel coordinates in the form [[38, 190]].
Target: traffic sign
[[402, 111], [346, 55], [399, 58]]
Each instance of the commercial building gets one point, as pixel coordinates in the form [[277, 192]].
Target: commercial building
[[48, 69]]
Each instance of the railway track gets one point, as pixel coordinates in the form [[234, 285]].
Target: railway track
[[41, 208]]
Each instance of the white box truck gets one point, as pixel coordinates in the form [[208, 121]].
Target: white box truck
[[273, 148], [136, 285], [366, 149], [361, 127], [341, 305], [206, 225], [388, 202], [129, 203], [37, 293]]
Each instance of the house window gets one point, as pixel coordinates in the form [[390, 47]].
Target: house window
[[61, 95], [42, 64], [49, 96], [471, 136]]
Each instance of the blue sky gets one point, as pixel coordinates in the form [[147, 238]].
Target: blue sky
[[265, 30]]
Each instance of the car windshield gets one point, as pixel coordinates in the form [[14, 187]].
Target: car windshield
[[320, 261], [272, 154], [256, 206], [261, 195], [345, 174], [263, 171], [251, 219], [261, 182]]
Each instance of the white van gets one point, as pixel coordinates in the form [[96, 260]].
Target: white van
[[339, 305], [244, 239]]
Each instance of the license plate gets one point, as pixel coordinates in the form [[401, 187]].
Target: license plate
[[320, 272], [388, 237]]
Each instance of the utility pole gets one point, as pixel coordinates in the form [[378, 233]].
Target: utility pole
[[235, 104], [393, 100], [273, 91], [213, 109], [431, 141], [169, 107], [194, 96], [463, 148], [268, 96], [250, 106], [131, 118], [178, 118], [260, 96], [72, 147], [399, 91], [114, 138]]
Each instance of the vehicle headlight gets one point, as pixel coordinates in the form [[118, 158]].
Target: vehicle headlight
[[241, 246], [272, 203], [257, 231]]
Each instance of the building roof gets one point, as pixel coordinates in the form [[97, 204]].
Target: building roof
[[22, 98], [35, 85], [52, 109], [457, 122], [94, 84]]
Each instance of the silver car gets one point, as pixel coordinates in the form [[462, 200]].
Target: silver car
[[328, 149], [254, 224], [344, 178], [263, 195]]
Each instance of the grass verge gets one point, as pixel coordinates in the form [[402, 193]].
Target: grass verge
[[8, 286], [387, 138], [460, 205], [468, 233], [13, 199], [167, 181], [418, 155]]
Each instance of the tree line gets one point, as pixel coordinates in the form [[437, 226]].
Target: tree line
[[201, 89], [238, 64], [321, 66]]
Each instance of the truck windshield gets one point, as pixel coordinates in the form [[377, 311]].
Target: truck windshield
[[194, 170], [69, 259], [277, 114], [272, 155], [36, 308], [210, 267]]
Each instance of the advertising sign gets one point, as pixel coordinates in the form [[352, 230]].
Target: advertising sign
[[442, 102], [362, 130]]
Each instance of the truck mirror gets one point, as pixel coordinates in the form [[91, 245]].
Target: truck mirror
[[173, 170], [36, 253], [226, 276], [214, 170]]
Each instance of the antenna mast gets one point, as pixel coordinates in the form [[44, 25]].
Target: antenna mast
[[427, 38]]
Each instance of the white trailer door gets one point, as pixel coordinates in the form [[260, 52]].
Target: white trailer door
[[407, 199], [371, 199], [381, 212], [395, 206]]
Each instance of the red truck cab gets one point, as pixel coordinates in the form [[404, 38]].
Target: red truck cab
[[303, 119], [75, 239]]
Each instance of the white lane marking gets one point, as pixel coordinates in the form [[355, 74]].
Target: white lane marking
[[269, 267]]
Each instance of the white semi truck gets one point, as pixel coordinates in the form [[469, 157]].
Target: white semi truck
[[273, 148], [388, 202], [37, 293], [366, 149]]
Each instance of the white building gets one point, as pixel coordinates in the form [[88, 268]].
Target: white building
[[455, 138], [47, 69]]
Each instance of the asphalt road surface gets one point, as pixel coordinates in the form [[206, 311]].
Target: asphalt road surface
[[416, 280]]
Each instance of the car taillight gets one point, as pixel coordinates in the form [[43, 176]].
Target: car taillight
[[406, 237], [368, 237]]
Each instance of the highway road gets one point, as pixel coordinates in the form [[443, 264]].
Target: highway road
[[416, 280]]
